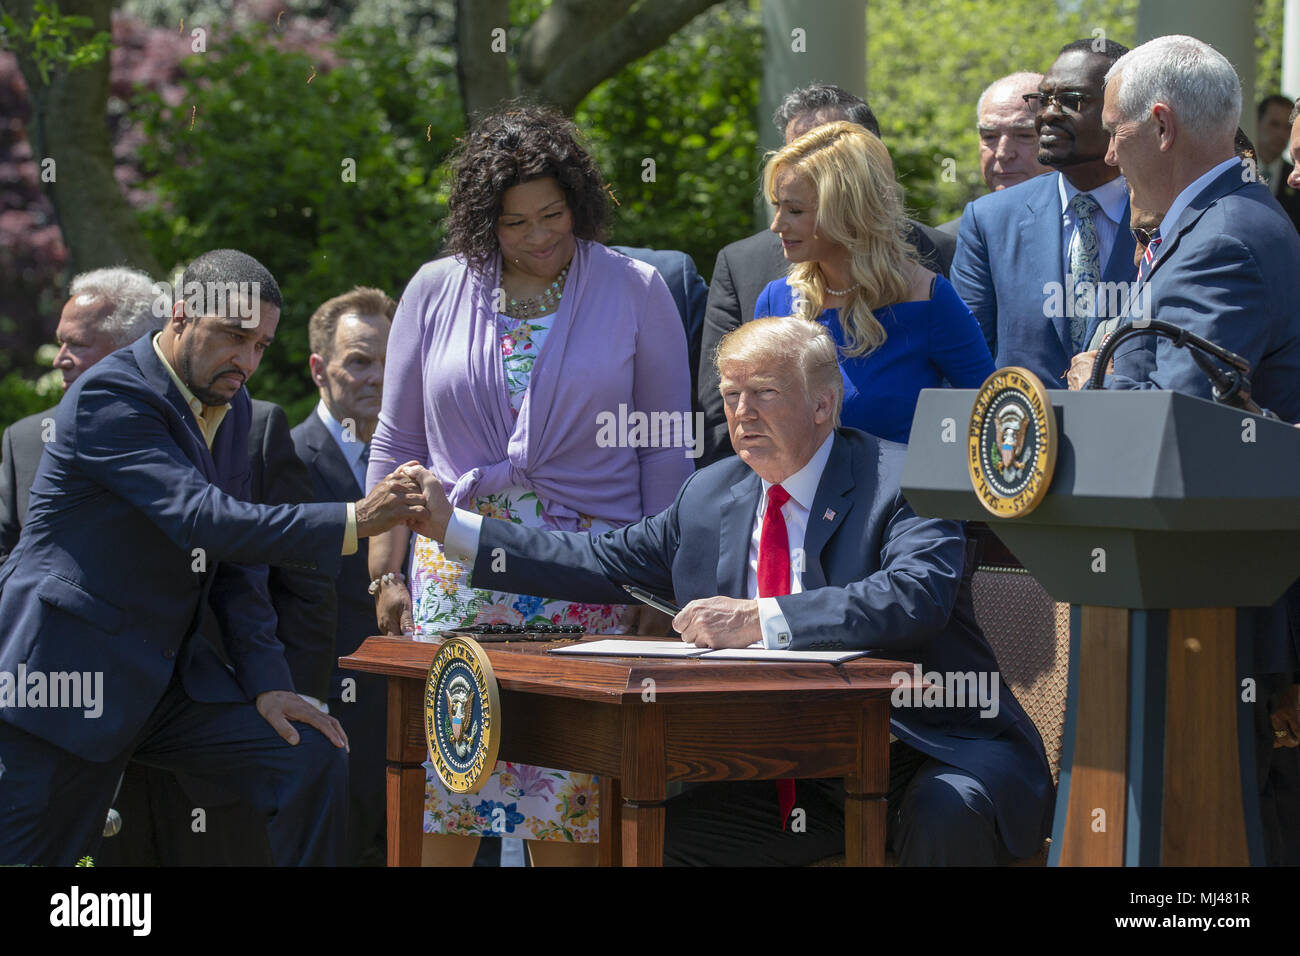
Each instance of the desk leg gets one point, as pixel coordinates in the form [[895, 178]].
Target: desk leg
[[865, 792], [405, 815], [643, 833], [644, 784], [611, 822], [405, 750]]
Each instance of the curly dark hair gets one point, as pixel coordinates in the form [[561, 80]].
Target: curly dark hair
[[519, 143]]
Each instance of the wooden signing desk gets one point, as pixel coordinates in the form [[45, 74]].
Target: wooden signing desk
[[639, 723]]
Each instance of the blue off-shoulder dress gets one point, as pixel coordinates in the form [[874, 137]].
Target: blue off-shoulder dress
[[926, 343]]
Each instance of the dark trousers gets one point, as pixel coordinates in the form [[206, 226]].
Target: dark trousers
[[938, 816], [52, 803], [1277, 772], [364, 720]]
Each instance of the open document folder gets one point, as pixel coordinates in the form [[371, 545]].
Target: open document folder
[[755, 652]]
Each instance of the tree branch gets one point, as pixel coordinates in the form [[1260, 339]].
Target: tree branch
[[572, 74], [553, 33]]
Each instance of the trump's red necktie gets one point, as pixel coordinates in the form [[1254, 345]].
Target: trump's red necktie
[[773, 581]]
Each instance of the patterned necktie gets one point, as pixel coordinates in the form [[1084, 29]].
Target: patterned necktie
[[1148, 257], [773, 581], [1085, 267], [365, 463]]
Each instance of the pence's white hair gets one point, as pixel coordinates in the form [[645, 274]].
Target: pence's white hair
[[1194, 78]]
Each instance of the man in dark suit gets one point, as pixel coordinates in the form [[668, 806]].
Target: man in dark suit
[[689, 293], [106, 309], [1042, 263], [1223, 266], [136, 529], [744, 268], [349, 340], [1275, 117], [156, 805], [804, 541]]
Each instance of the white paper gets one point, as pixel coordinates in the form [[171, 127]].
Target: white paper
[[617, 648], [760, 653]]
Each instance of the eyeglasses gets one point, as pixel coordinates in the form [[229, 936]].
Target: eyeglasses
[[1068, 100], [1142, 236]]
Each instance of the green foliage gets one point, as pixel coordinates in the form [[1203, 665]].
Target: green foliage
[[688, 106], [927, 114], [265, 167], [48, 40], [1268, 50]]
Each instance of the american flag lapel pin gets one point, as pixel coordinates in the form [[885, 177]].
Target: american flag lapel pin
[[829, 515]]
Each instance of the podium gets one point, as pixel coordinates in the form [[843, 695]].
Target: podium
[[1170, 525]]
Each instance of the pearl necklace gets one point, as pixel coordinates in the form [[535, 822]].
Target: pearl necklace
[[842, 291], [540, 304]]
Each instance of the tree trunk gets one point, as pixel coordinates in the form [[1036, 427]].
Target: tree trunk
[[69, 126], [571, 48], [484, 73], [586, 57]]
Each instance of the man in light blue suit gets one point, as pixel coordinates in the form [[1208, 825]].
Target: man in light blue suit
[[819, 507], [1043, 262], [138, 528], [1224, 265]]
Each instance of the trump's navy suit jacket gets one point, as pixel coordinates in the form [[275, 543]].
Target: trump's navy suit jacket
[[1009, 246], [876, 577], [134, 530]]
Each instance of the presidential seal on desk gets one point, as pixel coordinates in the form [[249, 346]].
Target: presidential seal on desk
[[1012, 442], [462, 715]]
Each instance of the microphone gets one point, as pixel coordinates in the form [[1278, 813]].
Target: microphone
[[1229, 386]]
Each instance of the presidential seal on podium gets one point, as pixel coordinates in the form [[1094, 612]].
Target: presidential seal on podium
[[1012, 442], [462, 710]]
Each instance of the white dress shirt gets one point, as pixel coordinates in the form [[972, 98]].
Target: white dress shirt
[[349, 444], [1111, 197], [463, 533]]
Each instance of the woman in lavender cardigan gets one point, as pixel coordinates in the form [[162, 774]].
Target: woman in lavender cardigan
[[500, 360]]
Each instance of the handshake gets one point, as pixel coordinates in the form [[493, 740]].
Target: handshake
[[410, 495]]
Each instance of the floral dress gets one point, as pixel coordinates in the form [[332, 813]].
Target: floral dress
[[518, 800]]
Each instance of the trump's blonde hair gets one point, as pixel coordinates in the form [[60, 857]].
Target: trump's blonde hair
[[859, 206], [782, 342]]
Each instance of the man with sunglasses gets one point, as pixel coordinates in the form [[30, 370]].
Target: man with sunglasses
[[1042, 263]]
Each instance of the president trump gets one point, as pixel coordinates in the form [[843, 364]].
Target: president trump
[[803, 541]]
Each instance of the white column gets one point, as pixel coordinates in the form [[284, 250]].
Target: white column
[[1228, 27], [1291, 48], [822, 42]]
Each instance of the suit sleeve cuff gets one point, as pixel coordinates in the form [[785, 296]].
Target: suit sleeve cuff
[[461, 539], [776, 630], [350, 531]]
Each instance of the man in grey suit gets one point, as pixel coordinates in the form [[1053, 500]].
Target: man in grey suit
[[106, 310], [745, 267]]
